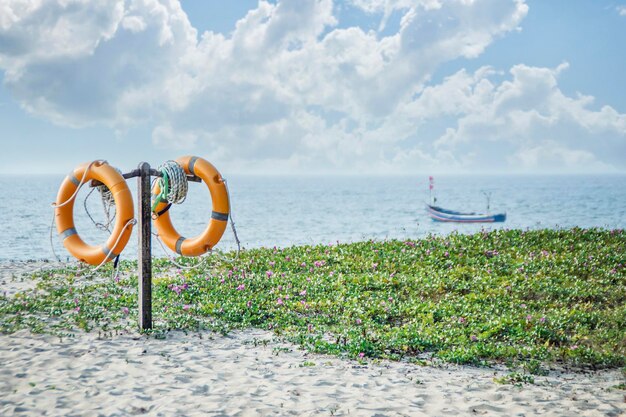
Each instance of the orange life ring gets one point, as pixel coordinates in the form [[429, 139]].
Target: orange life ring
[[64, 212], [198, 245]]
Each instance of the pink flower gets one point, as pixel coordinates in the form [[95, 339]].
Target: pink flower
[[446, 254], [542, 320], [186, 307], [249, 304], [303, 264], [574, 347], [269, 274], [241, 287], [288, 258], [473, 338], [303, 293], [361, 354], [461, 320], [358, 321], [125, 310], [280, 302], [529, 317], [77, 309], [272, 263]]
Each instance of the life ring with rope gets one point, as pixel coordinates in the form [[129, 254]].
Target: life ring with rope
[[204, 242], [64, 212]]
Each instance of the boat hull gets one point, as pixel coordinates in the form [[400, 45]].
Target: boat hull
[[439, 214]]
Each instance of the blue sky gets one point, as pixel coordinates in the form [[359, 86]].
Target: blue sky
[[315, 86]]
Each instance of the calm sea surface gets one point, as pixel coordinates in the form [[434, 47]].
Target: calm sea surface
[[284, 211]]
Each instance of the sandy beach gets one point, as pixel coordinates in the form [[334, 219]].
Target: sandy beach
[[250, 373], [253, 373]]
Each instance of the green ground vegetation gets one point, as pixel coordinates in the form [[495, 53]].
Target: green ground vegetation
[[522, 297]]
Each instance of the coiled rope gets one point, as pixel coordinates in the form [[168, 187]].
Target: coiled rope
[[173, 185]]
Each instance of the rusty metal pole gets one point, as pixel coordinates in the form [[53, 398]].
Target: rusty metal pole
[[144, 258]]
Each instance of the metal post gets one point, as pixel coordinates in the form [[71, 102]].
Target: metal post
[[144, 258]]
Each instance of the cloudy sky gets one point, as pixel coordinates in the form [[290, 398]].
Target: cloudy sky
[[315, 86]]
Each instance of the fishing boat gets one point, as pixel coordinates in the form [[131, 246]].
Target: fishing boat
[[440, 214], [444, 215]]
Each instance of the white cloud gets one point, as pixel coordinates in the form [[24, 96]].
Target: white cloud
[[621, 10], [80, 62], [290, 90], [529, 123]]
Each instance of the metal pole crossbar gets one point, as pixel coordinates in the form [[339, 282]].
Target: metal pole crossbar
[[144, 225]]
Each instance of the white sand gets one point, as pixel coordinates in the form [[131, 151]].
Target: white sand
[[250, 373], [207, 374], [15, 275]]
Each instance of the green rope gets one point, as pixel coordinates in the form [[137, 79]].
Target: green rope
[[164, 185]]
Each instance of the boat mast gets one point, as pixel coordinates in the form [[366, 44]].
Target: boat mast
[[431, 185], [488, 197]]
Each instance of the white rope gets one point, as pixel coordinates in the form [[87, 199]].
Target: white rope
[[117, 241], [106, 258], [107, 204], [212, 252], [177, 182], [217, 252], [80, 184], [51, 241], [200, 263], [107, 201], [55, 205]]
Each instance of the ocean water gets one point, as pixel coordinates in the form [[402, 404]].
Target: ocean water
[[284, 211]]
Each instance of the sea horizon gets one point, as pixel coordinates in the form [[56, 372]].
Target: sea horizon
[[292, 210]]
